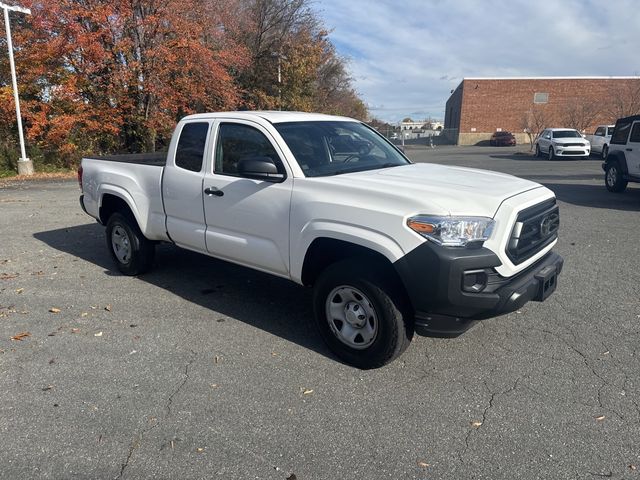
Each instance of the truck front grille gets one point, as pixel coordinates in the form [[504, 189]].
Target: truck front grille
[[535, 228]]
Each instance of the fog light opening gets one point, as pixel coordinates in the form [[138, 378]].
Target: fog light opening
[[474, 281]]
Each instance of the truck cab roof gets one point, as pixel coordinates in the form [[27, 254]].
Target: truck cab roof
[[272, 116]]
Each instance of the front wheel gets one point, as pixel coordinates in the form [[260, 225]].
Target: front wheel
[[551, 154], [131, 250], [605, 152], [538, 152], [360, 316], [613, 178]]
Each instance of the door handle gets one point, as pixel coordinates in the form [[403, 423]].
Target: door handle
[[629, 149], [213, 191]]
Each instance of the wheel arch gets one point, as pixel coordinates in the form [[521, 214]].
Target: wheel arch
[[620, 158], [326, 251], [112, 202]]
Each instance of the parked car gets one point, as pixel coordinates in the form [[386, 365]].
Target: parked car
[[389, 247], [562, 142], [622, 164], [600, 139], [502, 139]]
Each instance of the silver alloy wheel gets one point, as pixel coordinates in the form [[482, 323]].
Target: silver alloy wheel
[[121, 244], [612, 175], [551, 154], [351, 317]]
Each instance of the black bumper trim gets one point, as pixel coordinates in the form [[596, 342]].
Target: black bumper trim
[[432, 276], [84, 209]]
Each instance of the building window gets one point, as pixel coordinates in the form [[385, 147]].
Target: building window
[[539, 97]]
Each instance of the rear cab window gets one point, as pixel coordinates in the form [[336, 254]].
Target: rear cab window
[[191, 146]]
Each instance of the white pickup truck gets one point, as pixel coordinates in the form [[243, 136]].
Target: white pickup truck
[[390, 247], [601, 139]]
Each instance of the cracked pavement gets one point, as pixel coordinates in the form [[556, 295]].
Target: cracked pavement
[[202, 369]]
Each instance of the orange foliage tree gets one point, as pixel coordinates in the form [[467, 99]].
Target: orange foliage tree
[[98, 76]]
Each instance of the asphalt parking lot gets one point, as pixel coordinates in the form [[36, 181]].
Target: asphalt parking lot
[[202, 369]]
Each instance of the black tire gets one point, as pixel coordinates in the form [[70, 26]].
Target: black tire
[[551, 154], [538, 152], [131, 251], [386, 310], [613, 178], [605, 151]]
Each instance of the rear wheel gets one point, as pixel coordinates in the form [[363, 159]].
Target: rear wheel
[[613, 178], [129, 248], [359, 315]]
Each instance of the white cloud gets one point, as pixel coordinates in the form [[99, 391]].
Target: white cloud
[[406, 56]]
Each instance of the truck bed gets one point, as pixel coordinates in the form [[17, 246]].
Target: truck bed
[[157, 159]]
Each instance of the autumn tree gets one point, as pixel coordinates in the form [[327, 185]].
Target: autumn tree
[[580, 113], [623, 100], [534, 121], [107, 75]]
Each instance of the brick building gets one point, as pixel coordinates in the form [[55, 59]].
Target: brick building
[[480, 106]]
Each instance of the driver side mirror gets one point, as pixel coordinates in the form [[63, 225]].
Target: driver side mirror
[[260, 168]]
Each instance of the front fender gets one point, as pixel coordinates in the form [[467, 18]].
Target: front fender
[[374, 240]]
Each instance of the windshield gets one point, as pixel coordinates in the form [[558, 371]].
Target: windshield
[[333, 148], [566, 134]]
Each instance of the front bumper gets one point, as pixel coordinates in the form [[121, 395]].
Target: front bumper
[[433, 278], [572, 151]]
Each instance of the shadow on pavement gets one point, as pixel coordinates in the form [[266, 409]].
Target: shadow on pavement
[[272, 304], [596, 196]]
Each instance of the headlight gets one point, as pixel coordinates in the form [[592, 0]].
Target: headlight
[[452, 231]]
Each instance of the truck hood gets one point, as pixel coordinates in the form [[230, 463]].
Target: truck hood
[[439, 189]]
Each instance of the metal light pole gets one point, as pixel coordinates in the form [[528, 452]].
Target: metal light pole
[[25, 166], [280, 57]]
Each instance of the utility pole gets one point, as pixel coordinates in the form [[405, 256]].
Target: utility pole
[[25, 166]]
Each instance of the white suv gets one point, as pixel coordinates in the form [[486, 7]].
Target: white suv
[[622, 164], [562, 142]]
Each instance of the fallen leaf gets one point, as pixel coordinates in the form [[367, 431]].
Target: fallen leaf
[[217, 359], [108, 308], [274, 354], [214, 385], [75, 330], [99, 334], [307, 391], [54, 310], [476, 424], [38, 273], [48, 387], [21, 336], [632, 467], [422, 464], [199, 450], [600, 418], [84, 314], [93, 307], [20, 290], [8, 276]]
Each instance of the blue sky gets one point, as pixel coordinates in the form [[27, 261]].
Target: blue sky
[[406, 56]]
